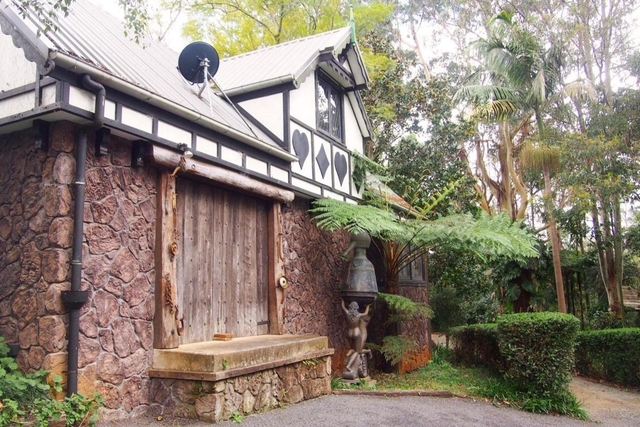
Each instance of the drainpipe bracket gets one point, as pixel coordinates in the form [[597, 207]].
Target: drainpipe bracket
[[74, 299]]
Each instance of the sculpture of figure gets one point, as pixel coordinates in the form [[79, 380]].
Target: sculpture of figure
[[357, 325], [355, 365]]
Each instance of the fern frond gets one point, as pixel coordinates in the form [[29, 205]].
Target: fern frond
[[406, 306], [484, 236], [333, 215]]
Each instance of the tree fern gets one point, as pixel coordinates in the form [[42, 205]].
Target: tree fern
[[484, 236], [334, 215], [404, 307]]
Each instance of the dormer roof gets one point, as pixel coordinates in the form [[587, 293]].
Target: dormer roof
[[334, 51]]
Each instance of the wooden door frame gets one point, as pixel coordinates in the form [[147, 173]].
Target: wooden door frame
[[166, 321]]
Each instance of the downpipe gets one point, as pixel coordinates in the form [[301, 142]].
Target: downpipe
[[75, 298]]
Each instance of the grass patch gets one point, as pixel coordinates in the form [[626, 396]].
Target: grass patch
[[479, 383]]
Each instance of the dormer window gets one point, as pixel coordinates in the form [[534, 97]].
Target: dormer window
[[329, 109]]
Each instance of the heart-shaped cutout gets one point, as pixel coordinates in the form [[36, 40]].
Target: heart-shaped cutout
[[340, 162], [300, 146]]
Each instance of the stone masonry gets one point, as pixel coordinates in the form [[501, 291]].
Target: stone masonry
[[315, 272], [116, 325], [36, 229], [217, 401]]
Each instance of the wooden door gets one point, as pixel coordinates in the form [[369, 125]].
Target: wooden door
[[222, 264]]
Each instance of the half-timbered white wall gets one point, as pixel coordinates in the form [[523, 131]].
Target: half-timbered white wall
[[352, 133], [269, 111], [302, 102]]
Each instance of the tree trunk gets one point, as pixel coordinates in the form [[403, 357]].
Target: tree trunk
[[606, 258], [617, 254], [555, 242]]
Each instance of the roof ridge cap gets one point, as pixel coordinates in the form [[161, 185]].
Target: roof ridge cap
[[289, 42]]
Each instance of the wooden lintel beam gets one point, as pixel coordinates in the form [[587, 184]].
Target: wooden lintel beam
[[171, 159]]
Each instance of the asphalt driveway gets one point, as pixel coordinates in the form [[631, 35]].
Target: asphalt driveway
[[608, 406], [407, 411]]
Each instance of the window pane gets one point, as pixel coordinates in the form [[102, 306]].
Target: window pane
[[335, 114], [323, 106], [416, 269], [329, 114]]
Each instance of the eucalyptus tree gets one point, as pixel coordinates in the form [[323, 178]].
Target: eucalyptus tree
[[602, 173], [519, 77]]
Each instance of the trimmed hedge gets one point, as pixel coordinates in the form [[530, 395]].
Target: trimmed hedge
[[610, 354], [538, 349], [477, 345]]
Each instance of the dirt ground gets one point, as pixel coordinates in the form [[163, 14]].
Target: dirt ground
[[608, 403]]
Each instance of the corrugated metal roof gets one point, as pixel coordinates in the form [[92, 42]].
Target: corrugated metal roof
[[97, 38], [281, 63]]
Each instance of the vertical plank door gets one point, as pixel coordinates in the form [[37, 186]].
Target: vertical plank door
[[222, 262]]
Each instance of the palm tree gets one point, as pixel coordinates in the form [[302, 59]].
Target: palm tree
[[519, 78]]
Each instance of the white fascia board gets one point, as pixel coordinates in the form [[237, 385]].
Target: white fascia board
[[361, 115], [358, 69], [259, 85]]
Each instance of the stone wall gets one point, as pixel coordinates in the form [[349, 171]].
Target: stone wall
[[315, 271], [116, 325], [36, 228], [116, 332], [216, 401]]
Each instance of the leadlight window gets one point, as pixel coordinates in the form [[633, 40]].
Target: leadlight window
[[413, 273], [329, 109]]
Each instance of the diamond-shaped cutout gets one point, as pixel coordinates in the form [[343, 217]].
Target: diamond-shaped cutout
[[323, 161]]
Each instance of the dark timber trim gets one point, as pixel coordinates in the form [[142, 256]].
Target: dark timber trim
[[260, 93]]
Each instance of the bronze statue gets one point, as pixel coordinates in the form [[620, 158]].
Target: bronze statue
[[356, 363], [360, 286]]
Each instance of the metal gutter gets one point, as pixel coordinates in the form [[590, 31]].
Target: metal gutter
[[261, 85], [70, 63]]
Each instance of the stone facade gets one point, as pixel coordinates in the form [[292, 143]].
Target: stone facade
[[216, 401], [116, 324], [416, 329], [316, 272], [36, 229]]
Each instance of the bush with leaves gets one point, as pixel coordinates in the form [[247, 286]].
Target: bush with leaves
[[27, 397], [477, 345], [610, 354], [538, 349]]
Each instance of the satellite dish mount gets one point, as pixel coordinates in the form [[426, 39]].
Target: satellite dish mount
[[204, 64], [198, 63]]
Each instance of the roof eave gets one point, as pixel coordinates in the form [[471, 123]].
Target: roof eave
[[358, 68], [35, 50], [240, 90], [74, 65]]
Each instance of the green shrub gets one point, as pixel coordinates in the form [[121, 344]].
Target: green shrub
[[25, 398], [477, 345], [538, 349], [610, 354], [605, 320]]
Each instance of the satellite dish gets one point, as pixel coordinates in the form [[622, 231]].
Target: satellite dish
[[197, 60]]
